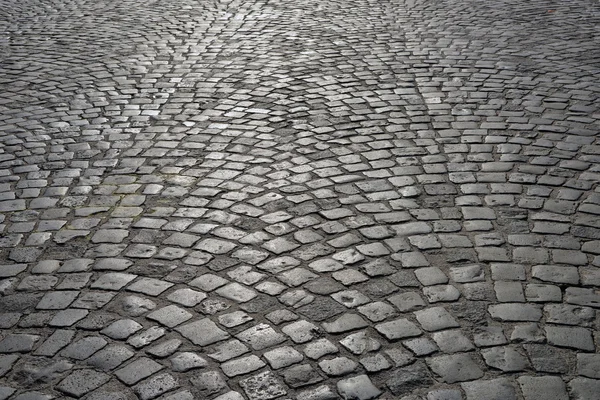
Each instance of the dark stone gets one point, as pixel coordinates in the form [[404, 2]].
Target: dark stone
[[301, 375], [324, 286], [474, 312], [406, 379], [321, 309], [261, 303], [545, 358], [376, 288], [20, 302]]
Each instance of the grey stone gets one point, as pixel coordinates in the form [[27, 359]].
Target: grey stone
[[421, 346], [121, 329], [263, 386], [33, 396], [282, 357], [345, 323], [6, 363], [495, 389], [543, 293], [545, 358], [408, 378], [149, 286], [187, 297], [55, 342], [359, 387], [338, 366], [584, 388], [506, 359], [170, 316], [583, 297], [556, 274], [398, 329], [319, 348], [319, 393], [588, 365], [301, 375], [208, 383], [110, 357], [435, 319], [578, 338], [186, 361], [261, 336], [202, 332], [138, 370], [444, 394], [377, 311], [6, 392], [136, 306], [184, 395], [93, 300], [82, 381], [301, 331], [155, 386], [146, 337], [241, 366], [112, 281], [234, 319], [509, 291], [228, 350], [527, 333], [375, 363], [230, 396], [455, 368], [452, 341], [359, 343], [57, 300], [236, 292], [18, 343], [407, 301], [546, 387], [439, 293], [515, 312]]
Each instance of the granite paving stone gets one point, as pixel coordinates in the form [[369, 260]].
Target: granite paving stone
[[18, 343], [455, 368], [550, 387], [587, 365], [242, 366], [121, 329], [202, 332], [262, 386], [358, 387], [82, 381], [156, 386], [208, 383], [186, 361], [505, 358], [494, 389], [583, 388], [110, 357], [338, 366], [549, 359], [138, 370], [170, 316]]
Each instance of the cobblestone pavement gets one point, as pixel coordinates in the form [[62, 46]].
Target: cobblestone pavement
[[311, 200]]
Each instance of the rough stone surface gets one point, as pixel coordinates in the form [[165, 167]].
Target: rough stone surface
[[310, 200]]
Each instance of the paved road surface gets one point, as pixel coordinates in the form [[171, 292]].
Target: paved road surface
[[311, 200]]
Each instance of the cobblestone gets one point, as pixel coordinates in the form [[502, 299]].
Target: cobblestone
[[252, 200]]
